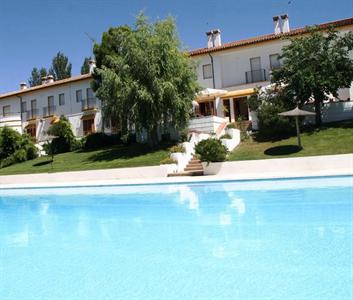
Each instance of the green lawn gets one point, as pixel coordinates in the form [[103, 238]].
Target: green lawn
[[336, 138], [119, 156]]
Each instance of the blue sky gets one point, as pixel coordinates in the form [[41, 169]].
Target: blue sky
[[33, 31]]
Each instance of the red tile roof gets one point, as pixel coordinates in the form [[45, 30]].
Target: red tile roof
[[46, 85], [268, 37]]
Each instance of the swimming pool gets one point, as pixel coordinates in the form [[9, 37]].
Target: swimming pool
[[269, 239]]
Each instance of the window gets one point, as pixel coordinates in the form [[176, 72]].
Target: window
[[23, 107], [207, 109], [274, 61], [61, 99], [50, 101], [207, 71], [89, 92], [79, 96], [6, 110], [88, 126]]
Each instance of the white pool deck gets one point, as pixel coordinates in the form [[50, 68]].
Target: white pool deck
[[311, 166]]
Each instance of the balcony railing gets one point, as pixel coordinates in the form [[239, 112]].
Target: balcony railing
[[9, 115], [49, 111], [32, 114], [89, 103], [255, 76]]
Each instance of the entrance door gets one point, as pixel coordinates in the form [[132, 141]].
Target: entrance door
[[241, 109]]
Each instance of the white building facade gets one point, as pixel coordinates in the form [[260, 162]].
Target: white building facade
[[229, 74], [236, 68], [34, 109]]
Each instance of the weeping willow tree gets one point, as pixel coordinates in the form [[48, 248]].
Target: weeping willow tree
[[143, 77]]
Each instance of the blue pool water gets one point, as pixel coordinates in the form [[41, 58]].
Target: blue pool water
[[275, 239]]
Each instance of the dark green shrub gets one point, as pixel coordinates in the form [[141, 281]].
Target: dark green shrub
[[20, 155], [10, 160], [15, 147], [60, 145], [64, 136], [99, 140], [78, 144], [31, 151], [128, 139], [211, 150], [10, 141], [254, 102], [271, 125]]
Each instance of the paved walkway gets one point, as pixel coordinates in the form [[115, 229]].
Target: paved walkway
[[255, 169]]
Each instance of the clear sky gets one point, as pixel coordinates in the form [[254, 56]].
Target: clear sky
[[33, 31]]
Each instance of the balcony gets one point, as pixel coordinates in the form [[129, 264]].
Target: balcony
[[89, 104], [49, 111], [255, 76], [32, 114]]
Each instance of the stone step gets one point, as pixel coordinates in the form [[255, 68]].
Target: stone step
[[193, 168], [189, 173], [194, 162]]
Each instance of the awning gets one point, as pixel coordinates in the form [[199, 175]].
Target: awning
[[238, 93], [54, 120]]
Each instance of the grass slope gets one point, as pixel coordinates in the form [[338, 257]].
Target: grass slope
[[118, 156], [337, 138]]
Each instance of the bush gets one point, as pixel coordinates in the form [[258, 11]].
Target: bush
[[167, 161], [177, 149], [99, 140], [211, 150], [10, 160], [226, 136], [31, 151], [10, 141], [15, 147], [254, 102], [64, 136], [20, 155], [78, 144], [128, 139], [271, 125]]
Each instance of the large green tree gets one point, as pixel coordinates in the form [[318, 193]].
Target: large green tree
[[36, 76], [316, 65], [61, 67], [143, 77], [85, 66]]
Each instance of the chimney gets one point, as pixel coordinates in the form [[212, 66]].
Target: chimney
[[92, 65], [23, 86], [285, 23], [277, 25], [50, 79], [44, 80], [214, 38]]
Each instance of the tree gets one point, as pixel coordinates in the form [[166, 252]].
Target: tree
[[36, 76], [64, 138], [316, 65], [85, 66], [61, 67], [143, 78]]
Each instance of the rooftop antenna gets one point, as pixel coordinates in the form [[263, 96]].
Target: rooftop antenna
[[90, 38]]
